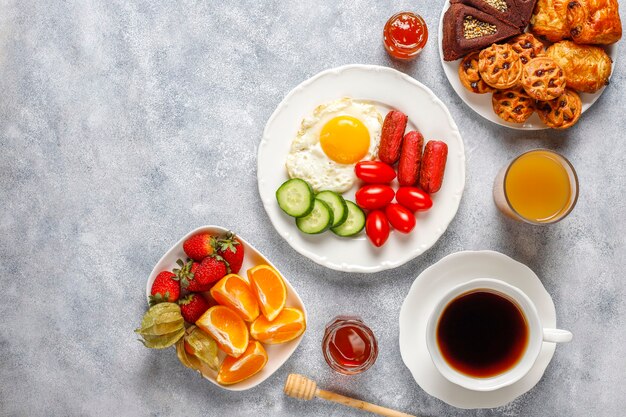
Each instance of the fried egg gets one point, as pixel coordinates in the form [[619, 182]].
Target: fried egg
[[332, 140]]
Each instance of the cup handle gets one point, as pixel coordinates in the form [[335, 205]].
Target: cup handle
[[557, 336]]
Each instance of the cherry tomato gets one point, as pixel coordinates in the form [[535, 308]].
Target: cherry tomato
[[377, 227], [372, 197], [414, 198], [375, 172], [401, 218]]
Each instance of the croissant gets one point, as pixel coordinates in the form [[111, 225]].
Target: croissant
[[587, 68], [550, 20], [584, 21], [594, 21]]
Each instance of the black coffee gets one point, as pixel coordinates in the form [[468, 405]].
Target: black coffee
[[482, 334]]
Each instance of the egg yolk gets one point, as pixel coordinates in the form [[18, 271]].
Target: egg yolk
[[345, 140]]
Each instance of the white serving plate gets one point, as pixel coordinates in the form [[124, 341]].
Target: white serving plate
[[277, 354], [427, 290], [387, 89], [481, 103]]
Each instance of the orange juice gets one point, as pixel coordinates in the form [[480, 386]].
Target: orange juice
[[538, 186]]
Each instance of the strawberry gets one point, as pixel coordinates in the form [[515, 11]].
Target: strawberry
[[192, 307], [231, 249], [199, 246], [165, 288], [184, 272], [211, 269]]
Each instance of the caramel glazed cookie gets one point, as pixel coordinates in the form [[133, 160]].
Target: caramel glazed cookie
[[562, 112], [543, 79], [500, 66], [527, 47], [513, 105], [470, 77]]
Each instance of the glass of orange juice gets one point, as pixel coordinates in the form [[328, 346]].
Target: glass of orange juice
[[538, 187]]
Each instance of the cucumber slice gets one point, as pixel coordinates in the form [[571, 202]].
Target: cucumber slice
[[353, 224], [337, 204], [318, 221], [295, 197]]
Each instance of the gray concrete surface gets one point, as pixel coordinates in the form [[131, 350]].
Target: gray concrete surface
[[125, 124]]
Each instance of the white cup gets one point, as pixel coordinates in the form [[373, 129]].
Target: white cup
[[536, 336]]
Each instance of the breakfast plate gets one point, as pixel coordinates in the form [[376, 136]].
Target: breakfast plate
[[481, 103], [430, 286], [277, 353], [386, 89]]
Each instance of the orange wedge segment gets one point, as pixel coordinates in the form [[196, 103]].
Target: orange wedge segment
[[227, 328], [288, 325], [269, 289], [234, 292], [235, 370]]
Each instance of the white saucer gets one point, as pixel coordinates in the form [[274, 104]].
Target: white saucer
[[427, 289]]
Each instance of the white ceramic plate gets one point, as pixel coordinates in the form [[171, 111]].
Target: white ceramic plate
[[277, 354], [387, 89], [481, 103], [424, 294]]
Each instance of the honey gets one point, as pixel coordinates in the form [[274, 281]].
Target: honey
[[349, 346]]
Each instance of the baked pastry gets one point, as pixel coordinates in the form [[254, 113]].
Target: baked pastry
[[543, 79], [504, 10], [524, 9], [587, 68], [500, 66], [550, 20], [594, 21], [470, 77], [466, 29], [527, 47], [585, 21], [562, 112], [513, 105]]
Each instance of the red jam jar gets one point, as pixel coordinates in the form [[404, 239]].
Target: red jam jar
[[405, 35], [349, 346]]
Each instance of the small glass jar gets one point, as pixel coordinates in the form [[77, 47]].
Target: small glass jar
[[405, 35], [349, 346]]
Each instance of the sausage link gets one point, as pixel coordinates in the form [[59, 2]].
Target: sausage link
[[391, 136], [433, 166], [410, 158]]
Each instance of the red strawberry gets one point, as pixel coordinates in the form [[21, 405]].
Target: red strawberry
[[211, 269], [192, 307], [231, 249], [165, 288], [199, 246], [184, 272]]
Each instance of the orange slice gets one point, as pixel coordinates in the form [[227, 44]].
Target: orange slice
[[269, 289], [288, 325], [234, 292], [227, 328], [235, 370]]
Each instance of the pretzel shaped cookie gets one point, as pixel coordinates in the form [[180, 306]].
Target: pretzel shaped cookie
[[513, 105], [470, 77], [500, 66], [543, 79], [527, 47], [562, 112]]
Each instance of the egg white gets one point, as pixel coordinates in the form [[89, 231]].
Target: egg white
[[307, 160]]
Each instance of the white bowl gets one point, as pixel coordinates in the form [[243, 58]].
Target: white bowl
[[277, 354]]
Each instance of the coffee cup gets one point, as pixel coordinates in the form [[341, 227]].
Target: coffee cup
[[486, 334]]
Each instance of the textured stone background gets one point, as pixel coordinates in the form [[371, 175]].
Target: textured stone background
[[125, 124]]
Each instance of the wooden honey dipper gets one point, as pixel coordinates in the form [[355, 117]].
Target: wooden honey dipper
[[303, 388]]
